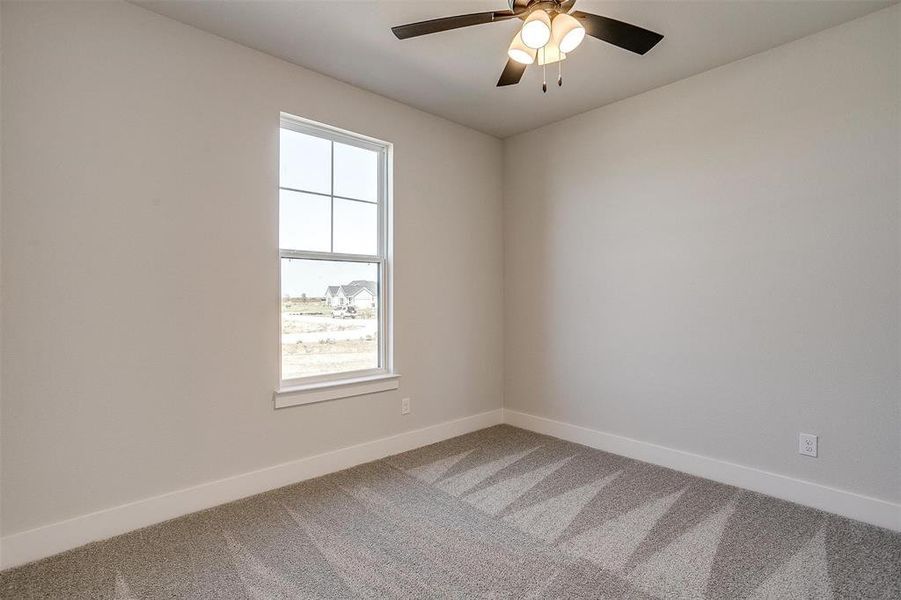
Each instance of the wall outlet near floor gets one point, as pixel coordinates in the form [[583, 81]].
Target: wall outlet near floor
[[405, 406], [807, 444]]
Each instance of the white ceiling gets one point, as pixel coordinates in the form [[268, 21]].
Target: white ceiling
[[453, 74]]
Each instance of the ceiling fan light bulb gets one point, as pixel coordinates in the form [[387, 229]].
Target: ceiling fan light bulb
[[521, 53], [567, 32], [536, 31]]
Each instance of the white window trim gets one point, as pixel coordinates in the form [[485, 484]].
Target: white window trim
[[319, 388], [334, 390]]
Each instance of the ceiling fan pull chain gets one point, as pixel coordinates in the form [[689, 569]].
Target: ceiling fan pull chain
[[543, 72], [560, 74]]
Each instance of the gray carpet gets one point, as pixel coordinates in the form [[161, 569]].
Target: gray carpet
[[500, 513]]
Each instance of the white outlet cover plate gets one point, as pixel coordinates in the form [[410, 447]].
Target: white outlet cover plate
[[807, 444]]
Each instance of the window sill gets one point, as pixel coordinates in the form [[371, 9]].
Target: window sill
[[333, 390]]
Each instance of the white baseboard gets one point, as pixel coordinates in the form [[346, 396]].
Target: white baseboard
[[848, 504], [26, 546], [33, 544]]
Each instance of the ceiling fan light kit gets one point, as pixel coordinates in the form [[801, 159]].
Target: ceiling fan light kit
[[551, 29]]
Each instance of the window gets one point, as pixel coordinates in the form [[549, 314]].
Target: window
[[333, 255]]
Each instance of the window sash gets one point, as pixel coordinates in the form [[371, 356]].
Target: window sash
[[380, 258], [383, 327], [335, 135]]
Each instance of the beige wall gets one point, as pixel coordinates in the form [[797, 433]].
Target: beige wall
[[713, 266], [139, 244]]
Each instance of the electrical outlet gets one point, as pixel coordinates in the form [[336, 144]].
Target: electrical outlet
[[807, 444], [405, 406]]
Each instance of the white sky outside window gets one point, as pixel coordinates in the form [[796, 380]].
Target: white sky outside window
[[356, 173], [305, 162], [312, 277], [304, 221], [356, 227]]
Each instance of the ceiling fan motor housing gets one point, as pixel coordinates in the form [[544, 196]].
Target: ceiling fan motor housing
[[524, 7]]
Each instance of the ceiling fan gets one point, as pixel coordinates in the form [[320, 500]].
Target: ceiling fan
[[550, 30]]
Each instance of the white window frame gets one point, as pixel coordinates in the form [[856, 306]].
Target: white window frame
[[316, 388]]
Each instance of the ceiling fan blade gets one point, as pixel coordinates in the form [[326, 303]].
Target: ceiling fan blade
[[447, 23], [624, 35], [512, 73]]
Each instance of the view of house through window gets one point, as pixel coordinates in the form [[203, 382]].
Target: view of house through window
[[332, 233]]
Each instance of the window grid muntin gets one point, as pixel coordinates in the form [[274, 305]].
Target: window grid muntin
[[337, 196]]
